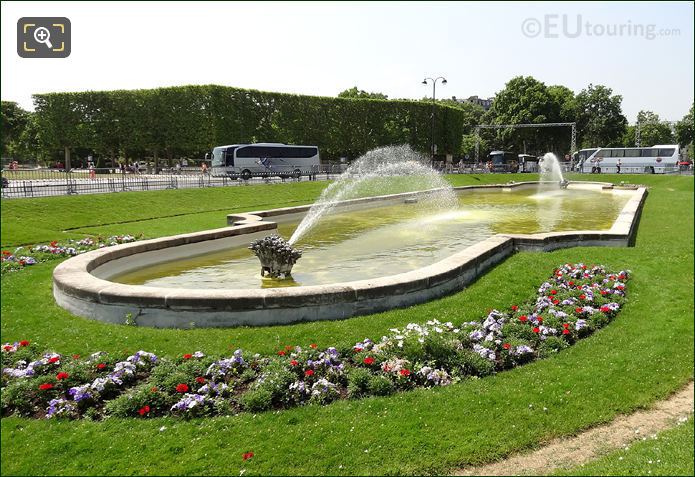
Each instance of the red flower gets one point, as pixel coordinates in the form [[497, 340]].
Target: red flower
[[101, 366], [582, 297], [54, 359], [620, 287], [578, 310], [45, 386], [200, 380], [514, 307], [294, 362], [182, 388], [281, 353], [565, 331], [571, 283], [405, 372], [357, 349], [288, 348], [523, 318], [555, 301], [553, 292], [144, 410], [7, 347], [75, 356], [24, 343], [309, 372], [605, 309], [154, 389], [368, 361], [312, 345], [536, 329], [247, 455], [54, 243], [540, 319], [187, 356], [62, 375], [565, 325], [506, 346]]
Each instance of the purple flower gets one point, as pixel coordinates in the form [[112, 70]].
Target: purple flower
[[484, 352], [80, 393]]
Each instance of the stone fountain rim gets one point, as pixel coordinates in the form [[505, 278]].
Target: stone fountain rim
[[84, 294]]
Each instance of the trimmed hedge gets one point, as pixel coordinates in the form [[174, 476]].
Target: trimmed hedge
[[188, 121]]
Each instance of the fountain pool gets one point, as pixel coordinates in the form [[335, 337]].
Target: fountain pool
[[367, 255]]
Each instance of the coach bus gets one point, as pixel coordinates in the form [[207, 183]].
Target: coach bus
[[503, 161], [246, 160], [657, 159]]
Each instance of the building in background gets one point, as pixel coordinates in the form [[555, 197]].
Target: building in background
[[485, 103]]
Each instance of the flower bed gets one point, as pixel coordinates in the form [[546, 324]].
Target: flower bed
[[25, 256], [573, 303]]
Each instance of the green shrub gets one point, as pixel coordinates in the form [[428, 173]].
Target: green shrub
[[358, 382], [255, 400], [130, 403], [470, 363], [550, 346], [17, 398], [380, 385]]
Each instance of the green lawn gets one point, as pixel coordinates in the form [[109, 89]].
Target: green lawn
[[668, 453], [643, 356]]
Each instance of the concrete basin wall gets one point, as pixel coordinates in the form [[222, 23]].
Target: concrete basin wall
[[81, 285]]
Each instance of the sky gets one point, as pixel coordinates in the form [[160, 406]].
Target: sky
[[643, 51]]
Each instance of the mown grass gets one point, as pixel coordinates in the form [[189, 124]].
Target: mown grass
[[668, 453], [644, 355]]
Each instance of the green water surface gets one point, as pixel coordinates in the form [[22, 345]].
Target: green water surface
[[371, 243]]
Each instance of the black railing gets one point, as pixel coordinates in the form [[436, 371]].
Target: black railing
[[51, 182]]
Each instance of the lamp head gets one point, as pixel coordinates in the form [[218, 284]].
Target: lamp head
[[443, 80]]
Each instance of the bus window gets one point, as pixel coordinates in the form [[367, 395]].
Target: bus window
[[666, 152], [632, 153], [649, 152], [618, 153]]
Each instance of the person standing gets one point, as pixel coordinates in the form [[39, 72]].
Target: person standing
[[618, 164]]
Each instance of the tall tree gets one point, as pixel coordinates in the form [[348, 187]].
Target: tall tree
[[600, 120], [360, 93], [14, 121], [652, 130], [525, 100], [684, 129]]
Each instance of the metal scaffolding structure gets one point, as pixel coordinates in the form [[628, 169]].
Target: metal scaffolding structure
[[573, 140]]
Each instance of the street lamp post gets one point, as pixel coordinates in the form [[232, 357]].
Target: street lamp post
[[434, 88]]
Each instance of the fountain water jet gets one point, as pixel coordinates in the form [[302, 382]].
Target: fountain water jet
[[551, 171], [382, 171]]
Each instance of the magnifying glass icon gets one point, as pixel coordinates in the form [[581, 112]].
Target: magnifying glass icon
[[42, 35]]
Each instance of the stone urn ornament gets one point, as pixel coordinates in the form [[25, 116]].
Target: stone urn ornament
[[277, 256]]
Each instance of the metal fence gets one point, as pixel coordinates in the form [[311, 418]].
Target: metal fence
[[22, 183]]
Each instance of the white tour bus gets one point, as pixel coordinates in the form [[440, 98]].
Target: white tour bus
[[246, 160], [657, 159]]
